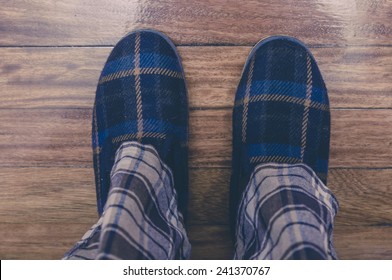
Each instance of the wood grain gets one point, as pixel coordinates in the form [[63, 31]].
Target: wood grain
[[29, 241], [45, 137], [210, 242], [356, 77], [47, 195], [364, 196], [350, 242], [64, 194], [361, 138], [100, 22], [52, 240], [61, 137], [52, 53], [353, 243], [361, 243]]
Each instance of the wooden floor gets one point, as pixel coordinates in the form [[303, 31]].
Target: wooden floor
[[52, 52]]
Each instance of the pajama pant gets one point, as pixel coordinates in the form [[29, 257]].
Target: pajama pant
[[286, 212]]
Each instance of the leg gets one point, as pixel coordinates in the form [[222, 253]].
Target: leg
[[141, 98], [286, 213], [280, 206], [141, 219]]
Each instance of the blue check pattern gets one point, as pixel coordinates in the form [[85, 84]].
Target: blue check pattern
[[281, 113], [142, 96]]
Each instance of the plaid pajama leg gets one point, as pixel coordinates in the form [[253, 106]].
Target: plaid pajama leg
[[286, 213], [140, 220]]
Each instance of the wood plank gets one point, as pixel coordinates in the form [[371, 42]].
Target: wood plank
[[61, 137], [97, 22], [209, 196], [350, 242], [39, 241], [364, 196], [211, 242], [361, 138], [356, 77], [45, 137], [42, 77], [355, 243], [66, 194], [52, 240], [48, 195]]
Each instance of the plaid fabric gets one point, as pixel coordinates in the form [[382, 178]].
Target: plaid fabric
[[140, 220], [141, 96], [286, 213], [281, 113]]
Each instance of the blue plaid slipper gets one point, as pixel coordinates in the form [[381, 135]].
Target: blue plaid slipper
[[281, 113], [142, 96]]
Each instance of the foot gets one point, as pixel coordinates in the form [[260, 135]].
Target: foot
[[142, 96], [281, 113]]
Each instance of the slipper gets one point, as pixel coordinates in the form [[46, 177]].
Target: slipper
[[142, 96], [281, 114]]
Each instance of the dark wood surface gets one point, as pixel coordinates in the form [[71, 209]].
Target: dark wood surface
[[233, 22], [51, 55], [356, 77], [62, 137]]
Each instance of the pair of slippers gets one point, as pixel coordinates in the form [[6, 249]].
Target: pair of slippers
[[281, 111]]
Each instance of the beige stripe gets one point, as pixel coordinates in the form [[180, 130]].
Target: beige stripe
[[142, 71], [246, 98], [139, 109], [305, 117], [132, 136], [283, 98], [276, 159], [117, 75], [161, 71], [96, 151]]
